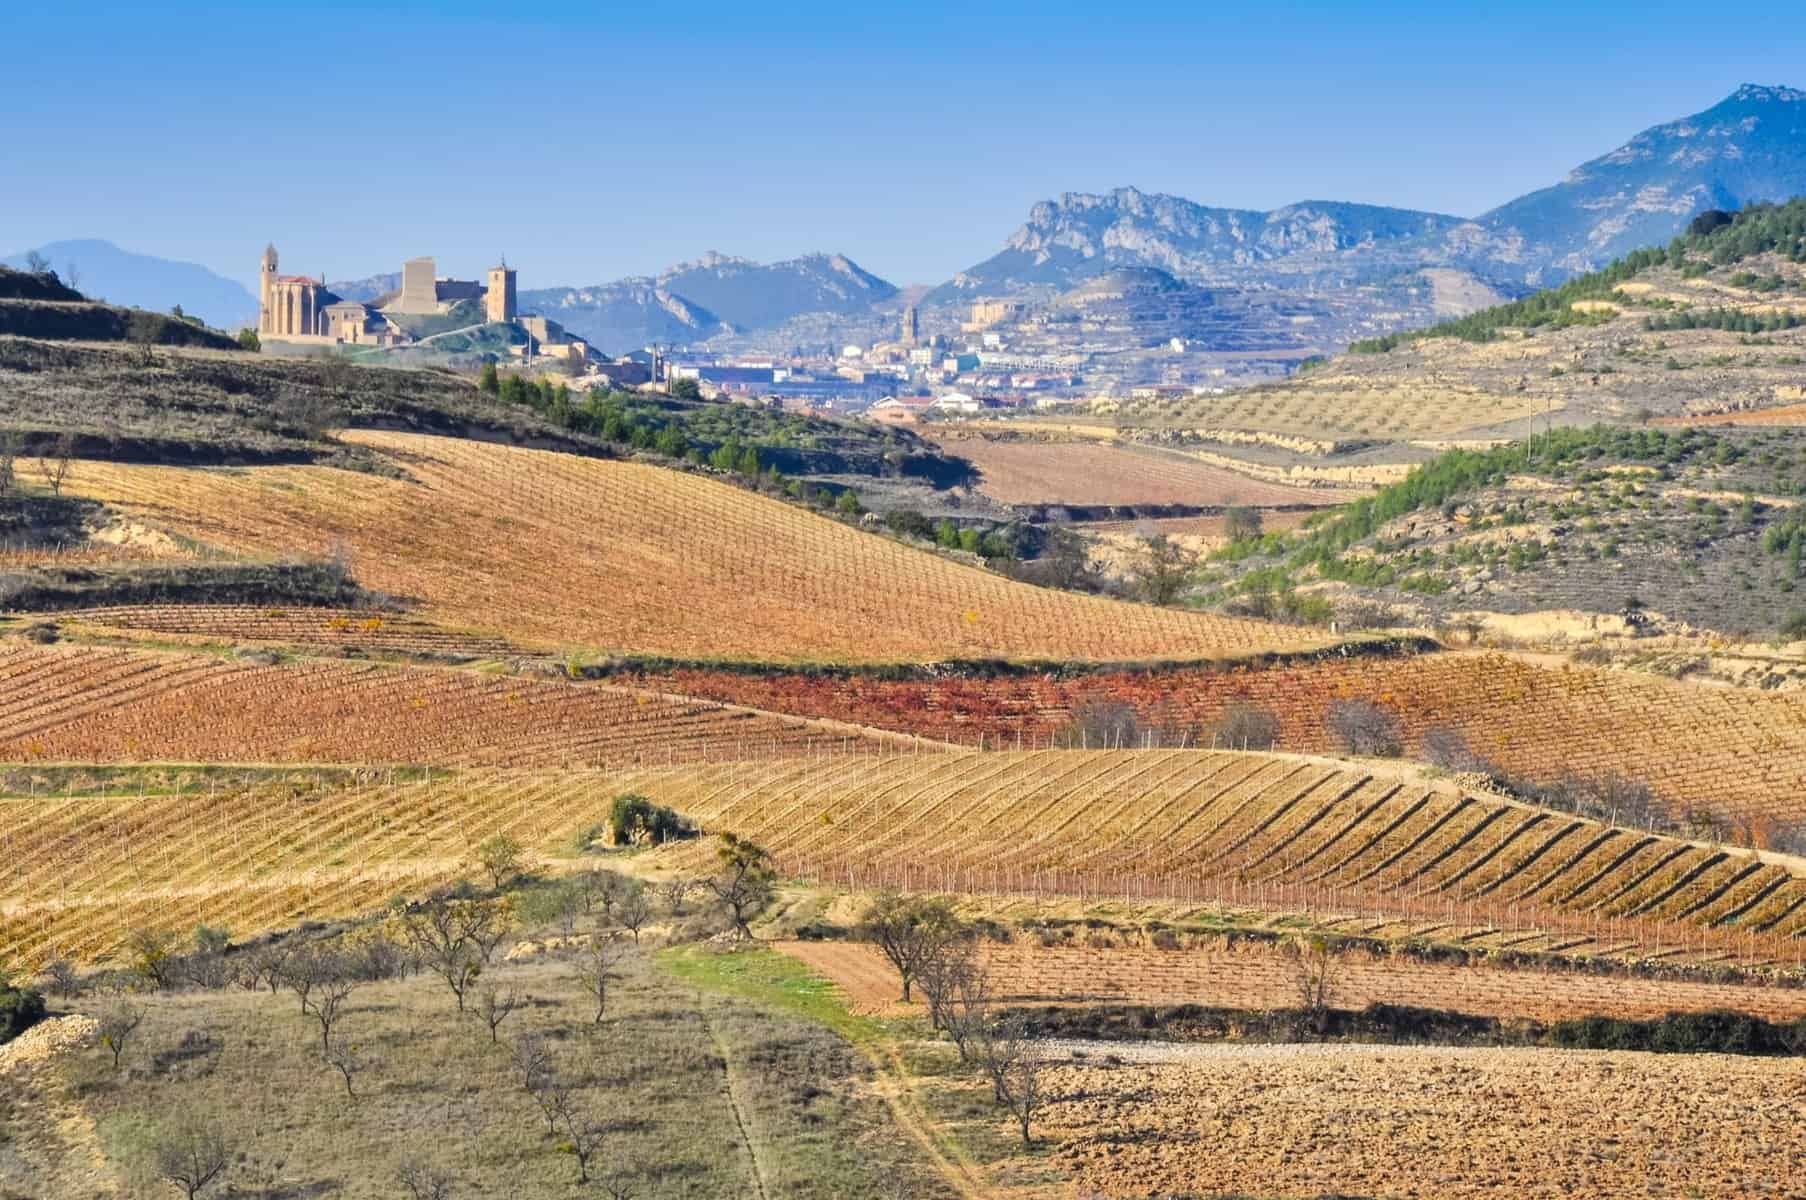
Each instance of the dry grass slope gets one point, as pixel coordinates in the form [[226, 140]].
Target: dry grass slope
[[551, 550]]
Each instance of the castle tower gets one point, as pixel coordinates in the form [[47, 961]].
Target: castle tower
[[266, 278], [909, 326], [498, 301]]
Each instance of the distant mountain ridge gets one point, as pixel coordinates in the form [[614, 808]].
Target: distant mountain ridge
[[1080, 235], [1749, 147], [715, 294], [104, 271], [1378, 269]]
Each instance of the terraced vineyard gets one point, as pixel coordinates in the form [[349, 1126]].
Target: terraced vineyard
[[1738, 753], [1268, 832], [103, 705], [1265, 833], [85, 870], [338, 628], [552, 550]]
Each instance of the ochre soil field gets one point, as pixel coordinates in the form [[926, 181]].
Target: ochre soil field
[[1739, 753], [336, 628], [1084, 472], [1787, 414], [552, 550], [84, 870], [1269, 832], [110, 705], [1255, 977], [1431, 1122]]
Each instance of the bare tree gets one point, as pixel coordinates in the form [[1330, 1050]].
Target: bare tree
[[674, 892], [745, 881], [424, 1181], [583, 1133], [1314, 969], [56, 463], [142, 330], [1024, 1085], [36, 263], [191, 1155], [347, 1061], [531, 1059], [633, 911], [950, 980], [61, 977], [9, 460], [1365, 727], [451, 937], [495, 1007], [598, 968], [908, 930], [261, 966], [329, 1000], [118, 1023]]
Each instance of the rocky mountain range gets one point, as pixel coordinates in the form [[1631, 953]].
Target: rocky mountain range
[[715, 294], [1750, 147], [1340, 270]]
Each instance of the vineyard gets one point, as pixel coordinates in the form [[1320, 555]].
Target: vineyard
[[320, 628], [1250, 975], [1090, 472], [105, 705], [1264, 832], [552, 550], [1734, 752], [84, 870]]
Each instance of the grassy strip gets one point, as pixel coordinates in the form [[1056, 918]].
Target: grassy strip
[[772, 981]]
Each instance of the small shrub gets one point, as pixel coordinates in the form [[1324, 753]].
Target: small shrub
[[1365, 728], [637, 821], [20, 1009], [1245, 727]]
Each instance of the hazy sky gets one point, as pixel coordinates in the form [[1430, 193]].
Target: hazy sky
[[591, 141]]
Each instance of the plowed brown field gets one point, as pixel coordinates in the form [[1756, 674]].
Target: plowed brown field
[[1431, 1122], [1092, 473]]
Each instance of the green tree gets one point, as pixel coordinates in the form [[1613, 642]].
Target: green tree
[[1163, 569], [248, 340], [848, 505], [744, 881], [489, 381], [685, 389]]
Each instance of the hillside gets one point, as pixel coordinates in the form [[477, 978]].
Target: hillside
[[1730, 759], [1715, 321], [121, 277], [1744, 150], [1231, 826], [106, 705], [551, 550]]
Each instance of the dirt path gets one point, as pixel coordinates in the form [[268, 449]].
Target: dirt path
[[733, 1101]]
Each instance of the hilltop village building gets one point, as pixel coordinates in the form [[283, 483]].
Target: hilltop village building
[[296, 308]]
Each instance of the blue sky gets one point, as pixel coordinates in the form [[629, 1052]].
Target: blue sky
[[592, 141]]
